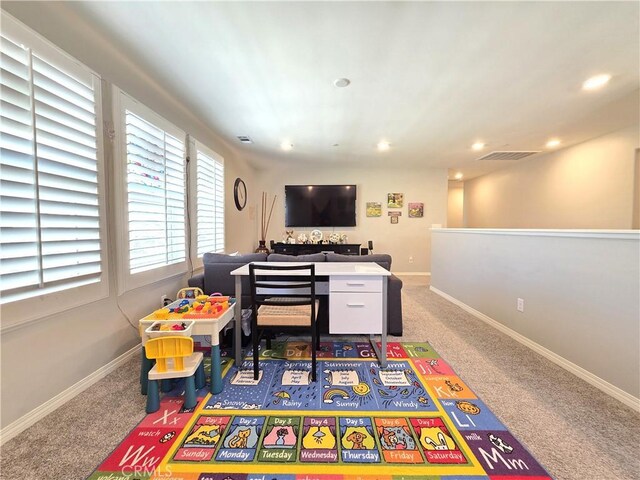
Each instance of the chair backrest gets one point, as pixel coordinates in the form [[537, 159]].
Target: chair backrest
[[163, 348], [292, 285]]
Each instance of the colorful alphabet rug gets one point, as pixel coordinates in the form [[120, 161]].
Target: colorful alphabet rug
[[414, 419]]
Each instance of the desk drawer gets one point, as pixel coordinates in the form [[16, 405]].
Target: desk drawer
[[355, 284], [355, 313]]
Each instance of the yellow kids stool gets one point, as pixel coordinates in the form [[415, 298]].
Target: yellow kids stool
[[174, 358]]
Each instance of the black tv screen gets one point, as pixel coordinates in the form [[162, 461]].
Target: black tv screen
[[320, 205]]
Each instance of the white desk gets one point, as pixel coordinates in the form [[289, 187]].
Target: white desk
[[357, 300]]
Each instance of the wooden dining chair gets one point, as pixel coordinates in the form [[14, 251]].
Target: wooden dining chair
[[283, 301]]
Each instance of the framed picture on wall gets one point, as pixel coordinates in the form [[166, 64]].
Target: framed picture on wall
[[395, 200], [416, 210], [374, 209]]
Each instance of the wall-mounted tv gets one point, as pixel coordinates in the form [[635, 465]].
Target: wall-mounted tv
[[320, 205]]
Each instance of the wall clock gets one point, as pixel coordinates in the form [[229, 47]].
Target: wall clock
[[240, 193]]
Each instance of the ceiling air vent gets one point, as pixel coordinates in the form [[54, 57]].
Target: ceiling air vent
[[244, 139], [507, 155]]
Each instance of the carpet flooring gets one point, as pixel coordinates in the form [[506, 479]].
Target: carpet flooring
[[570, 427]]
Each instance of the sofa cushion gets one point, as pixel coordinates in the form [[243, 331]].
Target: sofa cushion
[[314, 257], [381, 259], [224, 258]]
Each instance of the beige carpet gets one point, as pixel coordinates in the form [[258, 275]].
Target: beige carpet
[[574, 430]]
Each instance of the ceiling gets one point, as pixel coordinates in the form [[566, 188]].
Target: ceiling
[[430, 78]]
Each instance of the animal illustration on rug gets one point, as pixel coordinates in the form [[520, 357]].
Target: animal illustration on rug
[[454, 387], [240, 440], [500, 444], [357, 438], [390, 440], [442, 443]]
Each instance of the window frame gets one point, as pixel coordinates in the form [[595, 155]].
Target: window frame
[[130, 281], [194, 147], [56, 299]]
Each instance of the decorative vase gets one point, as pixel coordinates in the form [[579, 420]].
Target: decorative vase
[[262, 247]]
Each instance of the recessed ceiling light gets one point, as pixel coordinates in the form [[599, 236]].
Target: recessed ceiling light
[[383, 145], [477, 146], [342, 82], [458, 176], [553, 143], [286, 146], [596, 82]]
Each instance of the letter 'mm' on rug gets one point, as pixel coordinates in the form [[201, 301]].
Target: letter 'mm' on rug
[[416, 419]]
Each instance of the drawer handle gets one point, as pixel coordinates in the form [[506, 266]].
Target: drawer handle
[[355, 304], [355, 284]]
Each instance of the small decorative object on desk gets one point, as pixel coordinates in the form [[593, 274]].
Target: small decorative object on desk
[[316, 236], [265, 219], [334, 237], [302, 238], [343, 238], [288, 236]]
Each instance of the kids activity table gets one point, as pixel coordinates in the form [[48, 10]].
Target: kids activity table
[[202, 326]]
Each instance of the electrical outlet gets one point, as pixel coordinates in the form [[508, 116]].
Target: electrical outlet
[[163, 300], [520, 305], [410, 259]]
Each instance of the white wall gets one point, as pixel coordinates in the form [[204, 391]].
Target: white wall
[[636, 193], [581, 292], [43, 358], [589, 185], [455, 205], [409, 238]]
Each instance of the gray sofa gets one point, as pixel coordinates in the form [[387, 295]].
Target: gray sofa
[[217, 268]]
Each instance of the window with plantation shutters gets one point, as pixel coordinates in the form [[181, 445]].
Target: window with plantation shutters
[[156, 195], [210, 202], [150, 194], [50, 231]]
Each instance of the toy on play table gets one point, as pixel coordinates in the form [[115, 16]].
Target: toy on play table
[[173, 328], [189, 292], [207, 307]]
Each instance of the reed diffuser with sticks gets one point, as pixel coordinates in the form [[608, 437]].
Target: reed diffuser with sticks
[[265, 220]]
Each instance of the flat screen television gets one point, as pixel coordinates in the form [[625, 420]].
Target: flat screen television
[[320, 205]]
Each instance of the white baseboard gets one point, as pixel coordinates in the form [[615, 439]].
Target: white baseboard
[[415, 274], [38, 413], [578, 371]]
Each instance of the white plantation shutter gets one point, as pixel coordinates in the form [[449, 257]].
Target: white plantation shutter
[[156, 189], [210, 203], [49, 203]]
